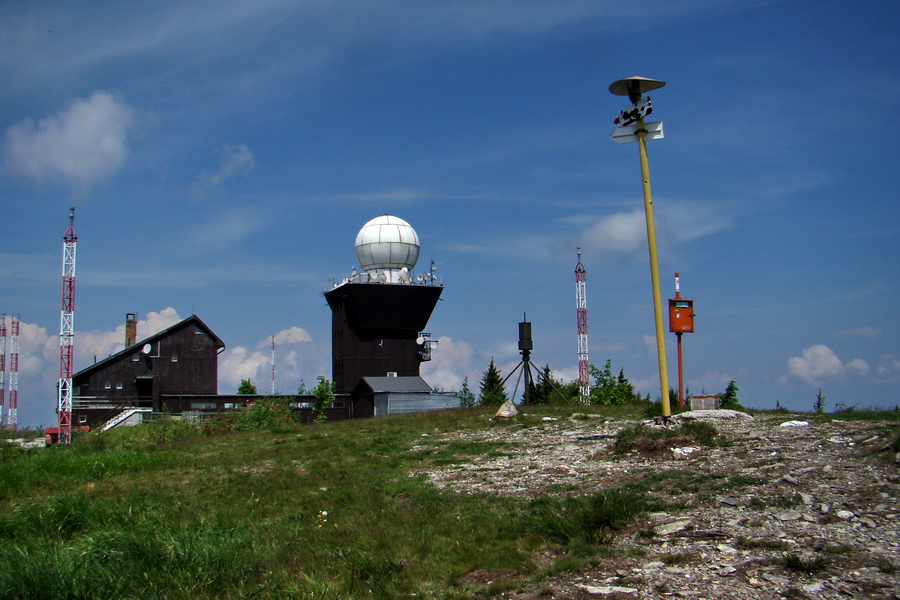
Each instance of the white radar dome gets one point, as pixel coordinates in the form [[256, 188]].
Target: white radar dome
[[387, 244]]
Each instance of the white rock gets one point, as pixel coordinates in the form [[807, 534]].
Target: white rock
[[686, 451], [606, 590], [508, 410], [795, 424], [673, 527]]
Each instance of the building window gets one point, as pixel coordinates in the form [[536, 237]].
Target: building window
[[82, 418], [203, 405], [118, 385], [174, 359], [107, 386], [135, 357]]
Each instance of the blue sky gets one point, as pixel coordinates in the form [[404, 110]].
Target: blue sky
[[221, 161]]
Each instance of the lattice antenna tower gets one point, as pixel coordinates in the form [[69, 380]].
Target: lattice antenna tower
[[12, 413], [272, 389], [2, 365], [584, 374], [67, 333]]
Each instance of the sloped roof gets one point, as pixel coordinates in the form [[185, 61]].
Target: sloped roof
[[395, 384], [192, 320]]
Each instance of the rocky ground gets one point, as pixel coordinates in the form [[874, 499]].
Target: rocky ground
[[784, 508]]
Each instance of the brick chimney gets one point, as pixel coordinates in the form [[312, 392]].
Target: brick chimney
[[130, 329]]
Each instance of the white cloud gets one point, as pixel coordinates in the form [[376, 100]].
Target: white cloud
[[236, 159], [81, 145], [239, 363], [450, 363], [819, 362], [292, 335], [624, 234]]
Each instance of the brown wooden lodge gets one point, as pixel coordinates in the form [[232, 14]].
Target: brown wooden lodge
[[175, 371]]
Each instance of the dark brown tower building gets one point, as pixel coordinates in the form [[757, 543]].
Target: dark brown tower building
[[378, 315], [375, 330]]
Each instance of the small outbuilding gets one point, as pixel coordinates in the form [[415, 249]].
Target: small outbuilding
[[379, 396]]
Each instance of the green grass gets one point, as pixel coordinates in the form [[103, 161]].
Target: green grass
[[171, 510], [327, 511], [651, 440]]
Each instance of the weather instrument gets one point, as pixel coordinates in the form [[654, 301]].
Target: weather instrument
[[634, 88]]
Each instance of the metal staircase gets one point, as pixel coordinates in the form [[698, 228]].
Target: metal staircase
[[122, 416]]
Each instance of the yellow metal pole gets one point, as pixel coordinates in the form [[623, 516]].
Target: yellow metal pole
[[654, 272]]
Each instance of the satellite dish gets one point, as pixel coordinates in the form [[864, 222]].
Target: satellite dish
[[420, 340], [146, 349]]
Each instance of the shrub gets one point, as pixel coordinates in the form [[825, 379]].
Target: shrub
[[265, 413]]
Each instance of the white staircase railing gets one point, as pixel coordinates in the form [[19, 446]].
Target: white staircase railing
[[122, 416]]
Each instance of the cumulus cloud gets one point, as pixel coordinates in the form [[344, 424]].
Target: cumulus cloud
[[240, 363], [82, 145], [819, 362], [292, 335], [235, 160], [450, 363]]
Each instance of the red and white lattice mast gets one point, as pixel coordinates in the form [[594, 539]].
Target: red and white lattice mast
[[67, 333], [2, 365], [584, 373], [12, 413]]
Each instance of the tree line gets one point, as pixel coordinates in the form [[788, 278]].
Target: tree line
[[607, 388]]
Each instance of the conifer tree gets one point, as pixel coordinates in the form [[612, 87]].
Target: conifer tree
[[491, 390], [466, 396], [729, 398]]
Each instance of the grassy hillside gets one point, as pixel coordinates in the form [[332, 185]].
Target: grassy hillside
[[326, 511], [322, 511]]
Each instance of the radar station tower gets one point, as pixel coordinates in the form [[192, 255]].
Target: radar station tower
[[378, 316]]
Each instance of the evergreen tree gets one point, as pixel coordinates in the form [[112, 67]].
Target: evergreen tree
[[729, 398], [543, 390], [491, 390], [466, 396], [610, 389], [819, 406], [246, 388]]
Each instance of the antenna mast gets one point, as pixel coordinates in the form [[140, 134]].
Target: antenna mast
[[272, 389], [2, 364], [67, 332], [584, 375], [12, 414]]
